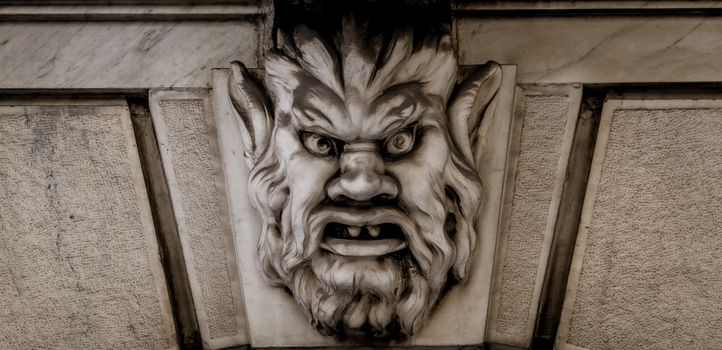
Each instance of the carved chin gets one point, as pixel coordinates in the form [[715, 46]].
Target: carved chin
[[362, 277], [363, 251], [366, 296], [364, 281]]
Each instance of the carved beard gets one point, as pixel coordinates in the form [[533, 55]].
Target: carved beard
[[380, 296], [374, 296], [368, 306]]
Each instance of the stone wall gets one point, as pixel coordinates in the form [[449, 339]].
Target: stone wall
[[80, 260], [105, 244], [645, 273]]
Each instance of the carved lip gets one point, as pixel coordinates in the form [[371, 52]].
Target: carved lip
[[362, 248], [371, 231]]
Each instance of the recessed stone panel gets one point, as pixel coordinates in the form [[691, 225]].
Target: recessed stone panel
[[187, 140], [646, 267], [79, 262], [543, 130]]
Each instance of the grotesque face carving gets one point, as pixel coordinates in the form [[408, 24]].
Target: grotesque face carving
[[364, 174]]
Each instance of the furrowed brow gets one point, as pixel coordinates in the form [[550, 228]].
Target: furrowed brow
[[317, 110], [396, 112], [386, 101], [396, 125]]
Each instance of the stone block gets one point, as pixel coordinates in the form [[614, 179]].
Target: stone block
[[79, 260], [646, 267], [186, 133], [542, 136]]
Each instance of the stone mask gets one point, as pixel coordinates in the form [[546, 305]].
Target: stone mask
[[363, 158]]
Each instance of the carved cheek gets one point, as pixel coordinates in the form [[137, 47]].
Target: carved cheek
[[306, 174]]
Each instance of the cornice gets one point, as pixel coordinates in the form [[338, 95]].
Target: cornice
[[35, 11], [463, 8]]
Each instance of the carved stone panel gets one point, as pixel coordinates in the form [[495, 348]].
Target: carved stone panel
[[646, 267], [187, 138], [79, 261], [541, 141], [275, 319]]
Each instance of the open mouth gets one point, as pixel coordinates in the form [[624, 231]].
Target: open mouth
[[363, 240]]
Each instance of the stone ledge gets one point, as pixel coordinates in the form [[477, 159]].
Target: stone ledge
[[129, 12]]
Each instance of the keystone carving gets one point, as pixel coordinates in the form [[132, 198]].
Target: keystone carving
[[364, 155]]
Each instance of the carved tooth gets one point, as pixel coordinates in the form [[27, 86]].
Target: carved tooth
[[354, 231], [374, 230]]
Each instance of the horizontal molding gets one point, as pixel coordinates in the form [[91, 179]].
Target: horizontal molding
[[545, 8], [128, 2], [220, 10], [130, 12]]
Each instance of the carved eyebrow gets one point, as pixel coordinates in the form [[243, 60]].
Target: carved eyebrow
[[320, 130], [310, 111], [400, 123], [404, 110], [410, 91], [304, 119], [311, 114]]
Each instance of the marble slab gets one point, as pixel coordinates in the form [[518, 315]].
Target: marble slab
[[275, 320], [597, 48], [132, 10], [646, 267], [121, 54], [187, 138], [482, 6], [79, 260], [543, 129]]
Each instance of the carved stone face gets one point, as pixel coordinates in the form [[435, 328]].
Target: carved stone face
[[364, 174]]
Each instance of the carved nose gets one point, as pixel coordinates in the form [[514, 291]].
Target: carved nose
[[362, 175]]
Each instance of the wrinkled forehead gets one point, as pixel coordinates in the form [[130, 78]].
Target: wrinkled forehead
[[315, 107]]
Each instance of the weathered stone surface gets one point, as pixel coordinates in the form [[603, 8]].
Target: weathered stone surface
[[544, 128], [646, 269], [186, 134], [79, 263]]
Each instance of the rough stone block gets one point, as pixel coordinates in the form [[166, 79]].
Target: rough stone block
[[542, 138], [646, 272], [79, 262], [186, 132]]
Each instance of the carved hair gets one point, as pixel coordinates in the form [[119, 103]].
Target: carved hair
[[359, 65]]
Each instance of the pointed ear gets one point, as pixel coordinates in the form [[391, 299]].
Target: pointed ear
[[254, 112], [471, 108]]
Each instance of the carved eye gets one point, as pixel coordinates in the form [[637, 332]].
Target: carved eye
[[318, 144], [400, 143]]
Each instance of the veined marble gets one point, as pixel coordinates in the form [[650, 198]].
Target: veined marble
[[120, 55], [597, 49]]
